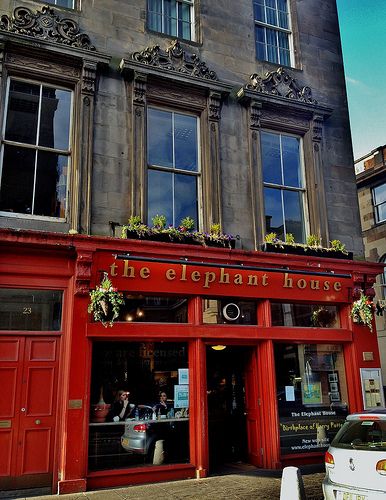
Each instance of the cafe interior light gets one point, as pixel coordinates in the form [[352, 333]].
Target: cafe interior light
[[218, 347]]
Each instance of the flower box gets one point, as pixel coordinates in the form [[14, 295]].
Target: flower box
[[185, 238], [306, 250]]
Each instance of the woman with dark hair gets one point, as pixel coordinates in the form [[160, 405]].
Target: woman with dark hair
[[161, 408], [122, 409]]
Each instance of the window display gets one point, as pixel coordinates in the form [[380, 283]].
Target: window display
[[312, 395], [151, 309], [140, 404]]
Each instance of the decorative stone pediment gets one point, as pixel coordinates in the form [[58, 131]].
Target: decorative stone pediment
[[280, 83], [45, 25], [174, 58]]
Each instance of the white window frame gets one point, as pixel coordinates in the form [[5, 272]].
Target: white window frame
[[178, 35], [283, 187], [376, 205], [36, 147], [277, 29], [174, 170]]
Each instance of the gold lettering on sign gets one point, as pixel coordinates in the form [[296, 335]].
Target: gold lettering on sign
[[183, 274], [113, 269], [170, 274], [314, 284], [326, 286], [252, 279], [238, 280], [195, 276], [144, 272], [287, 281], [265, 280], [224, 277], [209, 278], [301, 283], [128, 271], [337, 286]]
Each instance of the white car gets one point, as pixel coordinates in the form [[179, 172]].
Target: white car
[[356, 460]]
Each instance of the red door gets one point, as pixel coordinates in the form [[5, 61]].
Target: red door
[[28, 379], [252, 411]]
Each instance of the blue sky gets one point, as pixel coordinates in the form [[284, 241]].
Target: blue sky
[[363, 33]]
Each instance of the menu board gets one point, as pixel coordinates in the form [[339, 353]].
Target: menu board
[[372, 388]]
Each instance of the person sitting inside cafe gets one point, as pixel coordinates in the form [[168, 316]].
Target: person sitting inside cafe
[[122, 409], [161, 408]]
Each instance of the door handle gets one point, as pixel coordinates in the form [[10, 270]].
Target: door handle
[[245, 413], [23, 409], [37, 422]]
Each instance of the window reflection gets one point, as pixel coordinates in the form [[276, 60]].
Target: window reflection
[[152, 309], [140, 404], [307, 315], [229, 311]]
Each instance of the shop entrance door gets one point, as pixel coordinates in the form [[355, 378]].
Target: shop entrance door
[[227, 405], [28, 380]]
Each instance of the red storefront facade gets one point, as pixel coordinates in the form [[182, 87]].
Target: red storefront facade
[[289, 386]]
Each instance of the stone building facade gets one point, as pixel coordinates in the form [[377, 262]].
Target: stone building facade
[[229, 116], [371, 184]]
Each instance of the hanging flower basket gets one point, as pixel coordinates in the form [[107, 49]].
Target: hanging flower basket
[[105, 302], [362, 311]]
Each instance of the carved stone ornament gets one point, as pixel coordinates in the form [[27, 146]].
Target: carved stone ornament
[[83, 272], [174, 58], [45, 25], [280, 83]]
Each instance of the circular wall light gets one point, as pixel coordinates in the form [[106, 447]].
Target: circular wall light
[[231, 312]]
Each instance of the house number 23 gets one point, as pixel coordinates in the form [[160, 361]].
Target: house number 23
[[27, 310]]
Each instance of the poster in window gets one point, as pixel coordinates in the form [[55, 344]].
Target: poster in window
[[312, 393], [181, 396], [183, 376]]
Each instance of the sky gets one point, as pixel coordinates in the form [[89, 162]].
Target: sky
[[363, 34]]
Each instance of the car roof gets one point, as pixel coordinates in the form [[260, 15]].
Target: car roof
[[379, 412]]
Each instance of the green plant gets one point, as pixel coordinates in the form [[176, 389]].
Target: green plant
[[290, 239], [215, 229], [271, 238], [322, 317], [187, 224], [173, 232], [105, 302], [338, 246], [362, 311], [313, 240], [159, 222], [134, 224]]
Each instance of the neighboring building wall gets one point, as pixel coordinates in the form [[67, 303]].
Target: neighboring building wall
[[372, 174]]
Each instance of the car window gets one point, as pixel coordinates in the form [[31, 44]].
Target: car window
[[362, 434]]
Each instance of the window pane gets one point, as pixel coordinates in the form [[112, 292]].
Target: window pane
[[65, 3], [291, 161], [160, 195], [311, 393], [17, 180], [151, 309], [283, 20], [159, 138], [274, 212], [30, 310], [155, 14], [272, 54], [214, 312], [139, 411], [170, 17], [55, 118], [381, 212], [51, 185], [283, 40], [293, 210], [285, 57], [271, 17], [185, 198], [23, 110], [270, 151], [259, 12], [185, 142], [260, 35], [305, 315], [380, 194]]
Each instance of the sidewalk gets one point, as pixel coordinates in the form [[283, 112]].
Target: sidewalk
[[250, 484]]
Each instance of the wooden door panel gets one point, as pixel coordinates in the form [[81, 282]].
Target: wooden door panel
[[42, 350], [6, 439], [40, 392], [8, 384], [36, 451], [9, 349]]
